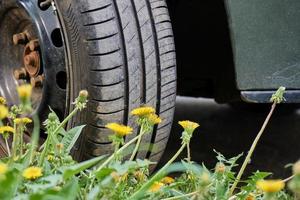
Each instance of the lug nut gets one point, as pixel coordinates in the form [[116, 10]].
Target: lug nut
[[20, 38], [34, 45], [44, 4], [37, 81], [20, 73], [32, 63], [31, 59]]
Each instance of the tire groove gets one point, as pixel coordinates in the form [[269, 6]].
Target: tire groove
[[108, 100], [143, 85], [106, 85], [122, 37], [158, 65], [98, 23], [104, 54], [107, 113], [108, 69], [95, 9], [101, 38]]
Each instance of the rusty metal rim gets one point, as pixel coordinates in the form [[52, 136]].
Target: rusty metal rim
[[42, 59]]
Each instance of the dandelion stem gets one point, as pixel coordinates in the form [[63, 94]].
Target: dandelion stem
[[107, 161], [14, 144], [21, 140], [47, 142], [253, 146], [188, 152], [180, 196], [140, 136], [148, 184], [34, 137], [7, 147], [289, 178]]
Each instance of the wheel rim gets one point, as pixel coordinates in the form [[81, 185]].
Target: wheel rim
[[33, 52]]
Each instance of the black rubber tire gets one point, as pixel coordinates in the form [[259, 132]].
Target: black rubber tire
[[123, 52]]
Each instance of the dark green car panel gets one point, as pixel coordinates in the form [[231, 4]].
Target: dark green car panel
[[265, 38]]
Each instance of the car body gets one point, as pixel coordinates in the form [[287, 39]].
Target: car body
[[236, 50]]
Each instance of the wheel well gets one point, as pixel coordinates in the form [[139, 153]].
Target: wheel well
[[203, 45]]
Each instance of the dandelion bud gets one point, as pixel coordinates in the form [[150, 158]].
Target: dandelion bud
[[83, 95], [278, 97], [69, 159], [60, 146], [250, 197], [220, 168], [81, 100], [2, 101], [52, 117], [115, 176], [296, 168], [140, 176], [205, 179], [57, 188], [50, 157]]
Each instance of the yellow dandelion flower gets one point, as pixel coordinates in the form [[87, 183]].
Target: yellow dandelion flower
[[23, 120], [167, 180], [119, 129], [3, 168], [60, 146], [2, 101], [3, 112], [24, 91], [154, 119], [270, 186], [6, 129], [16, 158], [50, 157], [188, 125], [32, 173], [115, 176], [140, 176], [143, 111], [124, 177], [250, 197], [296, 168], [156, 186]]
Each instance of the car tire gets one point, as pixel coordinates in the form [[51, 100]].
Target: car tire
[[123, 53]]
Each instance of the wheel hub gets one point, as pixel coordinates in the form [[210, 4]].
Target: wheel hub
[[33, 54]]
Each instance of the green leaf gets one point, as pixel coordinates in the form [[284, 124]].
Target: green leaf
[[45, 183], [175, 167], [9, 183], [251, 183], [71, 137], [70, 171], [92, 195], [180, 195], [68, 192], [104, 173]]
